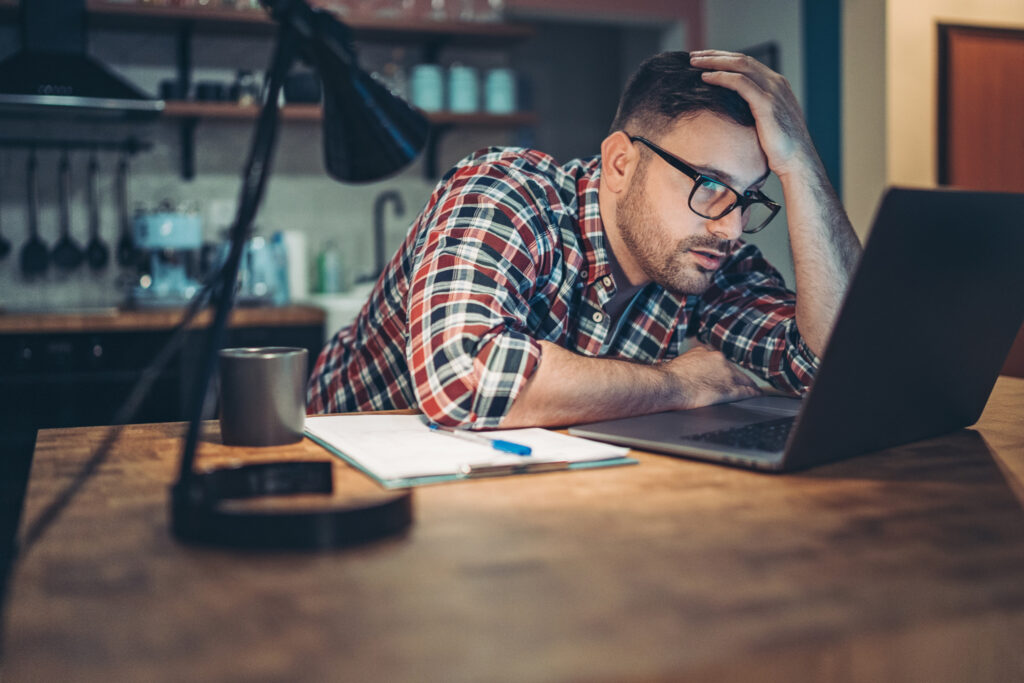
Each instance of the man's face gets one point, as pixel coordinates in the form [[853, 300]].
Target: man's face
[[674, 246]]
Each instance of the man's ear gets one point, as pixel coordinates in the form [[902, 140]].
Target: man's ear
[[619, 158]]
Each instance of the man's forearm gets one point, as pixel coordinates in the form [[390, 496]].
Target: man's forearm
[[825, 251], [567, 388]]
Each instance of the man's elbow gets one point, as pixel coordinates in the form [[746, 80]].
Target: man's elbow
[[449, 405]]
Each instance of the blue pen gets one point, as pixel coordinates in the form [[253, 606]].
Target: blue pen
[[496, 444]]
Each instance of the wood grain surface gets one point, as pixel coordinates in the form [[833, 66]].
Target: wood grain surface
[[902, 565], [120, 320]]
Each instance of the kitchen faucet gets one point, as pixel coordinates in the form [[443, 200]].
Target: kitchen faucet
[[378, 226]]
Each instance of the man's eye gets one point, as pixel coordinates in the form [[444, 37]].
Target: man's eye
[[711, 184]]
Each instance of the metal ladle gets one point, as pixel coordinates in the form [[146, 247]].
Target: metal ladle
[[126, 253], [67, 255], [5, 246], [96, 251], [35, 255]]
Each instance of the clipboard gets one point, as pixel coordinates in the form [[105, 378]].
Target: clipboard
[[400, 451]]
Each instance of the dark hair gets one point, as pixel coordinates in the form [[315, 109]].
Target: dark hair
[[665, 87]]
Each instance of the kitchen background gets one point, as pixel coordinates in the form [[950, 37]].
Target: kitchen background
[[569, 71], [300, 196], [881, 129], [865, 71]]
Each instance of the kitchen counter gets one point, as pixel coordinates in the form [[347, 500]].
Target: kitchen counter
[[75, 367], [132, 320]]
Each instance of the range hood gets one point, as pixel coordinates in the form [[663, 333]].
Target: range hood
[[52, 74]]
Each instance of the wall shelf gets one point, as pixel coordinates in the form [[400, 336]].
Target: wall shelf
[[122, 15], [185, 22], [191, 113], [228, 111]]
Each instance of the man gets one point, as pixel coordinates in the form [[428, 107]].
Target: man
[[532, 294]]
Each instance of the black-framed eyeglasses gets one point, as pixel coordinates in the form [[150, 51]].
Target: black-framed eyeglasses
[[713, 199]]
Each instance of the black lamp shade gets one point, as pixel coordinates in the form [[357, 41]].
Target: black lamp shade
[[369, 132]]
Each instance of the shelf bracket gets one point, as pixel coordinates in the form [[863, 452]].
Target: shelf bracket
[[188, 148], [437, 132], [431, 50], [184, 85], [184, 59]]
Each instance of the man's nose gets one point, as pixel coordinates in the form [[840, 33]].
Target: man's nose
[[728, 227]]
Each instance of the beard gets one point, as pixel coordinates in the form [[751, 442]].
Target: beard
[[667, 264]]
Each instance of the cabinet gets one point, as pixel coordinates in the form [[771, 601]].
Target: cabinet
[[77, 369], [186, 22]]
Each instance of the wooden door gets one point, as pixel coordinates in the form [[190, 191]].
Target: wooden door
[[981, 121]]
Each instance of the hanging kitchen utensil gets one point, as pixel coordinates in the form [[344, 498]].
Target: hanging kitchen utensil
[[96, 251], [126, 252], [67, 255], [35, 256], [5, 245]]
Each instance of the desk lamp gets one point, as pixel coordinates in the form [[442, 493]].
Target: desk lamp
[[368, 134]]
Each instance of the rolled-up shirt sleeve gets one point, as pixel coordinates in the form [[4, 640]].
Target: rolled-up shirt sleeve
[[750, 316], [468, 351]]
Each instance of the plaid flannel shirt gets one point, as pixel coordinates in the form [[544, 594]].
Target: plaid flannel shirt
[[510, 250]]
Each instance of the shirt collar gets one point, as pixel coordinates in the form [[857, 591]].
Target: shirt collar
[[595, 244]]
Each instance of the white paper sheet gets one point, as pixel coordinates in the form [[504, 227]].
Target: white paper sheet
[[393, 447]]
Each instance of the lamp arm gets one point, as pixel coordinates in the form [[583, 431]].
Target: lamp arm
[[200, 502], [201, 509], [315, 26], [254, 180]]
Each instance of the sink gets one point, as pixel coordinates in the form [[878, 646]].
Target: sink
[[341, 309]]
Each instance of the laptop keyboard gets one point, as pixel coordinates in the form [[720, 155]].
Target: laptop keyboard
[[767, 436]]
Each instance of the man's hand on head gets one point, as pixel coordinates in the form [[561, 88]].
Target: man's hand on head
[[825, 248], [780, 123]]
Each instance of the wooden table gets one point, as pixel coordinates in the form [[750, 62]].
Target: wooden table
[[901, 565]]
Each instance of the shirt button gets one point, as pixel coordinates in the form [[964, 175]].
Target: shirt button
[[583, 274], [606, 281], [598, 317]]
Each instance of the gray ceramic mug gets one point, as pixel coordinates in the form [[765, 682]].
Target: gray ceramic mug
[[262, 395]]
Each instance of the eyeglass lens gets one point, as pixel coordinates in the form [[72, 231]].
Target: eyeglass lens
[[756, 216], [713, 200]]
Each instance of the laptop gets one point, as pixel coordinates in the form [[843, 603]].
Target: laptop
[[928, 319]]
